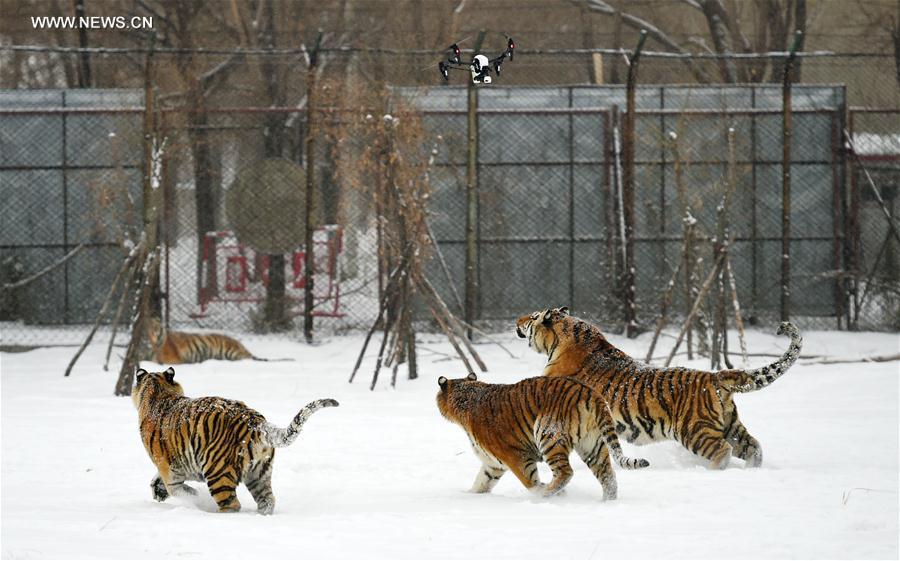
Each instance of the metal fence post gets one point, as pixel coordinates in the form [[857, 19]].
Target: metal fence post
[[786, 180], [310, 190], [472, 201], [610, 120], [838, 215], [628, 188], [64, 159]]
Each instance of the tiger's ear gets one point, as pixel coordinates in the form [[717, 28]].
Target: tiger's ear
[[442, 382], [548, 319], [564, 310], [170, 374], [472, 377], [140, 374]]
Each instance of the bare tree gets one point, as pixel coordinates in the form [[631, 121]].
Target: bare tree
[[774, 25], [199, 78]]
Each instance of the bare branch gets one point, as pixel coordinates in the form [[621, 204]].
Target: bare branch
[[693, 4], [656, 33], [716, 19], [700, 44], [213, 78], [156, 14], [42, 272]]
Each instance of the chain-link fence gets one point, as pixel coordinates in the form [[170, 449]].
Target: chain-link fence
[[70, 180], [550, 195], [875, 189], [549, 208], [239, 238]]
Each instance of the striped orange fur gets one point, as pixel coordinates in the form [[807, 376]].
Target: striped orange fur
[[515, 426], [220, 441], [177, 347], [650, 404]]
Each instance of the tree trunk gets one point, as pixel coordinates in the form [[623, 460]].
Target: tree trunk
[[204, 192], [275, 315], [799, 25], [895, 35], [84, 58], [718, 32]]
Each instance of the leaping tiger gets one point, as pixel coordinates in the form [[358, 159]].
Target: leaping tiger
[[650, 404]]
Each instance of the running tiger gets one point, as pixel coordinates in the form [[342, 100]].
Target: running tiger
[[651, 404], [220, 441], [516, 426], [177, 347]]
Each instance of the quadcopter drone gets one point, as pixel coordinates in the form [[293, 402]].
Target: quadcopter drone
[[480, 66]]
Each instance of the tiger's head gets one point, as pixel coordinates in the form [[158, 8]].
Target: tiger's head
[[150, 386], [454, 395], [540, 328]]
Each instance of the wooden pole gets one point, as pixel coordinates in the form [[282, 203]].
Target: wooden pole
[[139, 326], [439, 304], [310, 208], [84, 69], [738, 318], [667, 300], [117, 318], [472, 200], [153, 154], [628, 188], [787, 127], [106, 301], [687, 233], [385, 299], [696, 307], [147, 260]]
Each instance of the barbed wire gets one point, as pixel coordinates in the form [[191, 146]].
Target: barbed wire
[[419, 52]]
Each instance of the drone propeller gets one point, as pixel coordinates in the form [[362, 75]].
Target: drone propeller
[[456, 52], [445, 70], [497, 66], [510, 47]]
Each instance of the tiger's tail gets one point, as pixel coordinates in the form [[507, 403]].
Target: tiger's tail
[[752, 380], [280, 437], [608, 434], [624, 461]]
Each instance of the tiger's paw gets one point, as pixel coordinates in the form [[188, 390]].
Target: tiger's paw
[[159, 490], [610, 489], [548, 493], [266, 509], [755, 460]]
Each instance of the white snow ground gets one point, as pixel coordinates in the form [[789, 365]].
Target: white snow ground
[[385, 476]]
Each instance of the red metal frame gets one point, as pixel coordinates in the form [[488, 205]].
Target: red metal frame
[[243, 285]]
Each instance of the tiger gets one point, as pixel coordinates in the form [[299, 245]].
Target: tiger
[[177, 347], [220, 441], [515, 426], [651, 404]]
